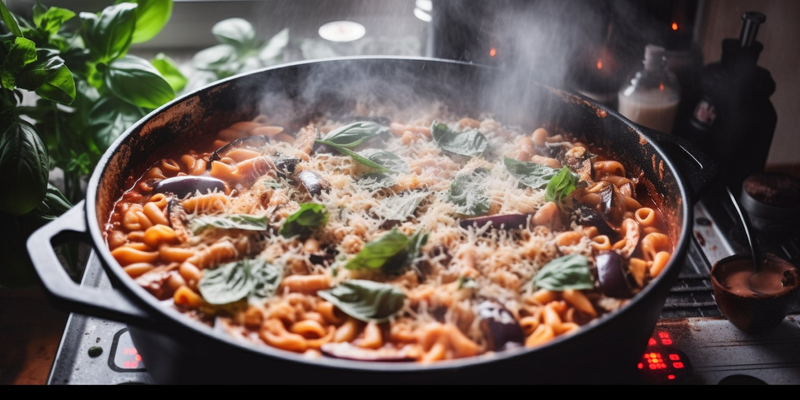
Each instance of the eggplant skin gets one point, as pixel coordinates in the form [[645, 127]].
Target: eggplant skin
[[611, 273]]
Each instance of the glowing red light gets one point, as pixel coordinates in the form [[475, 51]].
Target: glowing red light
[[651, 342], [674, 357], [666, 342], [653, 366], [677, 365], [492, 52], [674, 26], [671, 377], [138, 358], [641, 366], [661, 87], [600, 63]]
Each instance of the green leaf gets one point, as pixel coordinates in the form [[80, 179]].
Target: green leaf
[[109, 35], [266, 278], [561, 187], [355, 156], [236, 32], [169, 70], [110, 117], [399, 207], [59, 87], [354, 134], [46, 63], [470, 143], [385, 251], [366, 301], [254, 279], [21, 53], [468, 193], [389, 161], [530, 174], [274, 48], [24, 169], [151, 17], [52, 206], [10, 20], [567, 272], [138, 82], [303, 222], [51, 19], [214, 58], [233, 221]]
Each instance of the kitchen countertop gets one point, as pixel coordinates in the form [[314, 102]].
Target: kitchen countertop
[[30, 332]]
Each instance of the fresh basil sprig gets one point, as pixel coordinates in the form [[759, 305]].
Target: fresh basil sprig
[[530, 174], [233, 221], [567, 272], [304, 221], [254, 279], [365, 300], [354, 134], [469, 194], [471, 143], [389, 253], [561, 187], [390, 162]]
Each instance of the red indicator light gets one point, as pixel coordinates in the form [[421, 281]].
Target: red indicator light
[[641, 366], [653, 366], [671, 377], [138, 357], [674, 26], [663, 335], [677, 365], [674, 357], [666, 342], [492, 52], [651, 342]]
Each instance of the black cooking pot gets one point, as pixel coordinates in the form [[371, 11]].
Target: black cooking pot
[[177, 349]]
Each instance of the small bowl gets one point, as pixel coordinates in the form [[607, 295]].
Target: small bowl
[[754, 305]]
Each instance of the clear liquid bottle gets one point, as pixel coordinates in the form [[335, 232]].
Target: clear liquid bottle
[[651, 96]]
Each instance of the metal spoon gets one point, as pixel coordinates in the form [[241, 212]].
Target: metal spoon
[[755, 249]]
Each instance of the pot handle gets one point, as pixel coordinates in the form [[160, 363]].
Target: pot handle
[[64, 293], [698, 169]]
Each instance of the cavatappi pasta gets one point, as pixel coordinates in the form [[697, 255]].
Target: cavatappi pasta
[[416, 240]]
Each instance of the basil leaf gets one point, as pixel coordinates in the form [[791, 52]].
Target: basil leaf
[[530, 174], [389, 161], [59, 86], [136, 81], [358, 157], [354, 134], [304, 221], [45, 63], [273, 49], [169, 70], [111, 117], [21, 53], [399, 207], [24, 166], [567, 272], [266, 280], [415, 243], [52, 206], [10, 20], [109, 35], [51, 19], [233, 221], [467, 192], [225, 284], [471, 143], [560, 187], [151, 17], [366, 301], [378, 253], [214, 57], [236, 32]]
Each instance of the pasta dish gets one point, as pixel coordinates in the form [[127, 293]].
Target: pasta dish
[[418, 238]]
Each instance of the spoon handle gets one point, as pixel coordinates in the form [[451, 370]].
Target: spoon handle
[[748, 229]]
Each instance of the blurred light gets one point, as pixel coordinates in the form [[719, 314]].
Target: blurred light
[[342, 31], [422, 14], [492, 52], [674, 26], [425, 5], [599, 63]]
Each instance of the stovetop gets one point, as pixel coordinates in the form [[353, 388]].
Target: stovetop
[[692, 342]]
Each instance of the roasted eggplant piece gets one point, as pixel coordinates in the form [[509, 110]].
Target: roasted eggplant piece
[[313, 182], [501, 329], [589, 216], [188, 185], [611, 274]]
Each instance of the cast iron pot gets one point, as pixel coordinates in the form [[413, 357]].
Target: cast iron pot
[[176, 349]]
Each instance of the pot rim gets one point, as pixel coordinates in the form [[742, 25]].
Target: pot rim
[[165, 313]]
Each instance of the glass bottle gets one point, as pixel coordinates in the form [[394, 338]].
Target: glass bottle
[[651, 95]]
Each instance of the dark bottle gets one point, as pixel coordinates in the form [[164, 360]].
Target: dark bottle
[[734, 121]]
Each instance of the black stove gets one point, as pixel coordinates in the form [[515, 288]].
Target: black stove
[[692, 342]]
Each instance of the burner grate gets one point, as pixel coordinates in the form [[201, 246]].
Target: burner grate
[[691, 296]]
